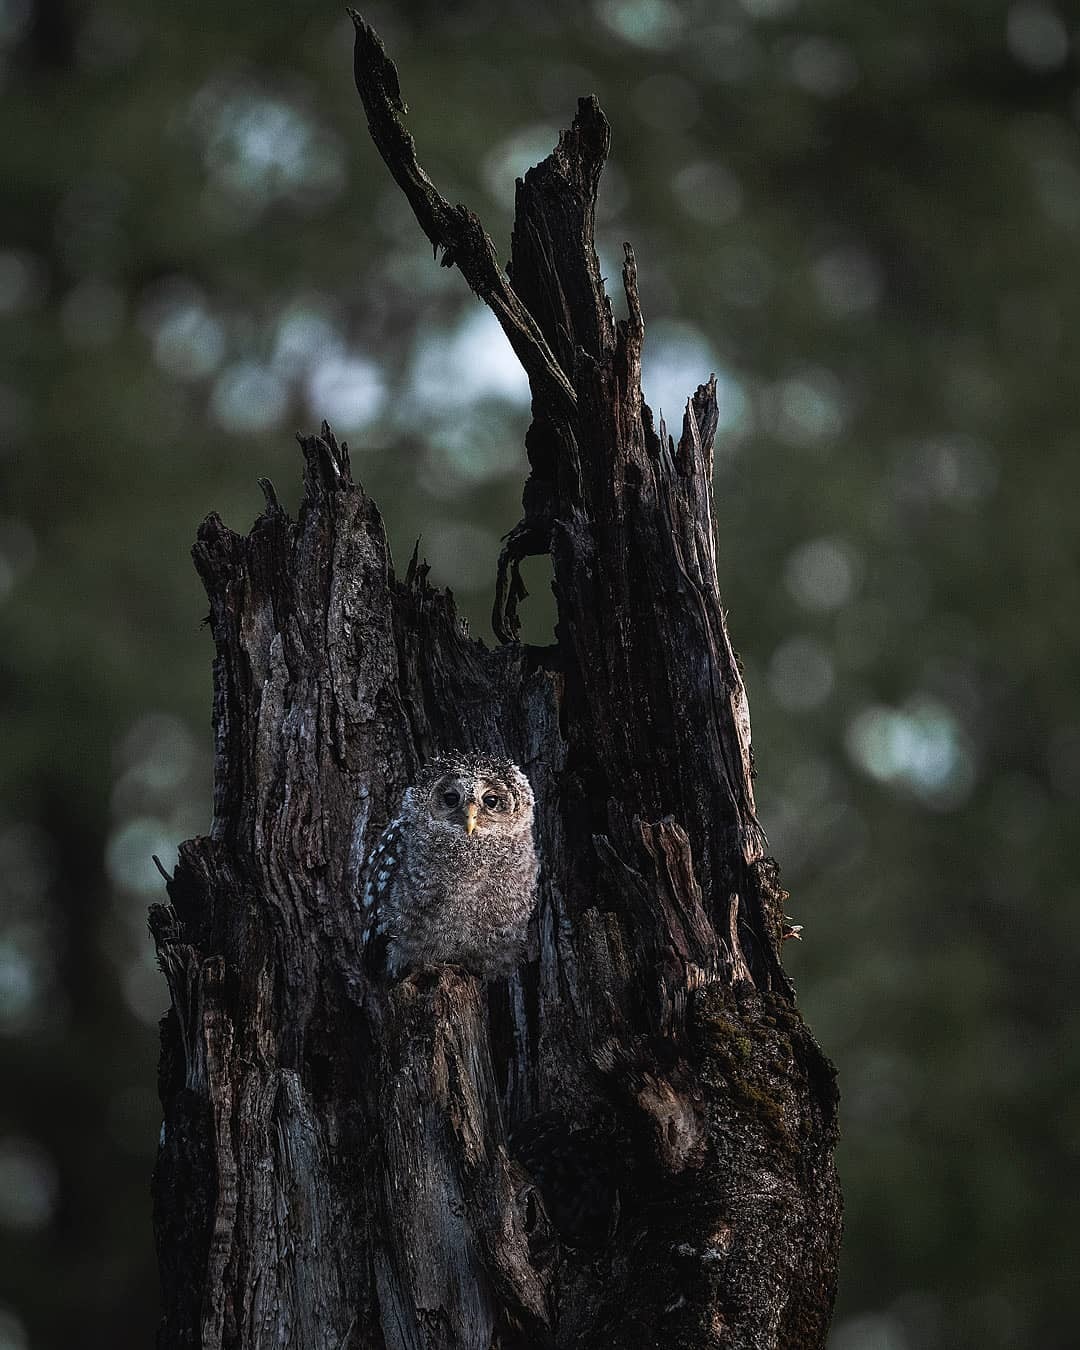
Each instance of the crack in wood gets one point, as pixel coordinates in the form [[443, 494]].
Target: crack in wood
[[628, 1141]]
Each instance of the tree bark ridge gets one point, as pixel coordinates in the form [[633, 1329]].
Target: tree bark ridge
[[627, 1142]]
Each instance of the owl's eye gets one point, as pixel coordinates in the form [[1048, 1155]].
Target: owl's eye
[[491, 801], [451, 798]]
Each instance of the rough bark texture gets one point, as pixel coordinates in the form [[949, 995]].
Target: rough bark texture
[[629, 1142]]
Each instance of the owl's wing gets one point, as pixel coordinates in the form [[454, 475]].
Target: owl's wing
[[377, 906]]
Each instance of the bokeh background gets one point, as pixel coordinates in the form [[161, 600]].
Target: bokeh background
[[865, 218]]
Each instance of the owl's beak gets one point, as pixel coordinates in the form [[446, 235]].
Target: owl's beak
[[470, 818]]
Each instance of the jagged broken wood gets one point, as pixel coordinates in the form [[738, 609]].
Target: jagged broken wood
[[630, 1141]]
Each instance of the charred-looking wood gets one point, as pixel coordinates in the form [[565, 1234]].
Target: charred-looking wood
[[627, 1142]]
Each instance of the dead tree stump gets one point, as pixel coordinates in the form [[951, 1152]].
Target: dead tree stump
[[628, 1142]]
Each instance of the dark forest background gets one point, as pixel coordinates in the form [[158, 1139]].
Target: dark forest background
[[865, 218]]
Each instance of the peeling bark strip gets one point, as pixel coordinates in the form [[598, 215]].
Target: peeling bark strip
[[627, 1143]]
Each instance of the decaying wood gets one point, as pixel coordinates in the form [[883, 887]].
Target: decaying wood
[[627, 1143]]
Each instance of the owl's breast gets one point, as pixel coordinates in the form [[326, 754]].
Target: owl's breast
[[464, 901]]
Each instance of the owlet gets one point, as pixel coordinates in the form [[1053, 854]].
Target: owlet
[[453, 876]]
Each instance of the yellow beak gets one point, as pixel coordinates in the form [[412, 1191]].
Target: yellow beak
[[470, 818]]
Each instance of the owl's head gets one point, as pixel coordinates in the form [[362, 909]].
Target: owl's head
[[475, 794]]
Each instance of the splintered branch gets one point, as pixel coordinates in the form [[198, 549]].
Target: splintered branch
[[628, 1140], [455, 229]]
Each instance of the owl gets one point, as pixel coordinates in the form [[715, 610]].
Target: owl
[[453, 877]]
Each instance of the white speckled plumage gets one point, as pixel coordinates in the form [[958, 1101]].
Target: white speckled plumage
[[437, 892]]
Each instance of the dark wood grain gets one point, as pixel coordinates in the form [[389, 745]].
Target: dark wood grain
[[629, 1142]]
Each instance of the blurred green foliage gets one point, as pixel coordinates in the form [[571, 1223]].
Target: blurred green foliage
[[866, 219]]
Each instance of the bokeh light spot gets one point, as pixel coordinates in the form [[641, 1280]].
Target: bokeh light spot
[[823, 67], [27, 944], [807, 408], [848, 282], [189, 342], [144, 986], [20, 984], [801, 674], [920, 746], [655, 24], [13, 1335], [129, 854], [14, 16], [707, 192], [677, 358], [249, 398], [821, 574], [349, 392], [23, 282], [473, 361], [158, 753], [28, 1184], [512, 159], [259, 149], [1036, 36], [959, 470], [306, 334], [612, 199], [475, 447], [870, 1331]]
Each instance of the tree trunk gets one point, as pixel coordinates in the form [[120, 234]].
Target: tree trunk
[[629, 1141]]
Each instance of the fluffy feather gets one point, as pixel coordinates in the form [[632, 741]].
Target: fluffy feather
[[436, 893]]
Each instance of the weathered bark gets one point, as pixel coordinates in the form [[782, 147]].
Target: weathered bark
[[630, 1141]]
